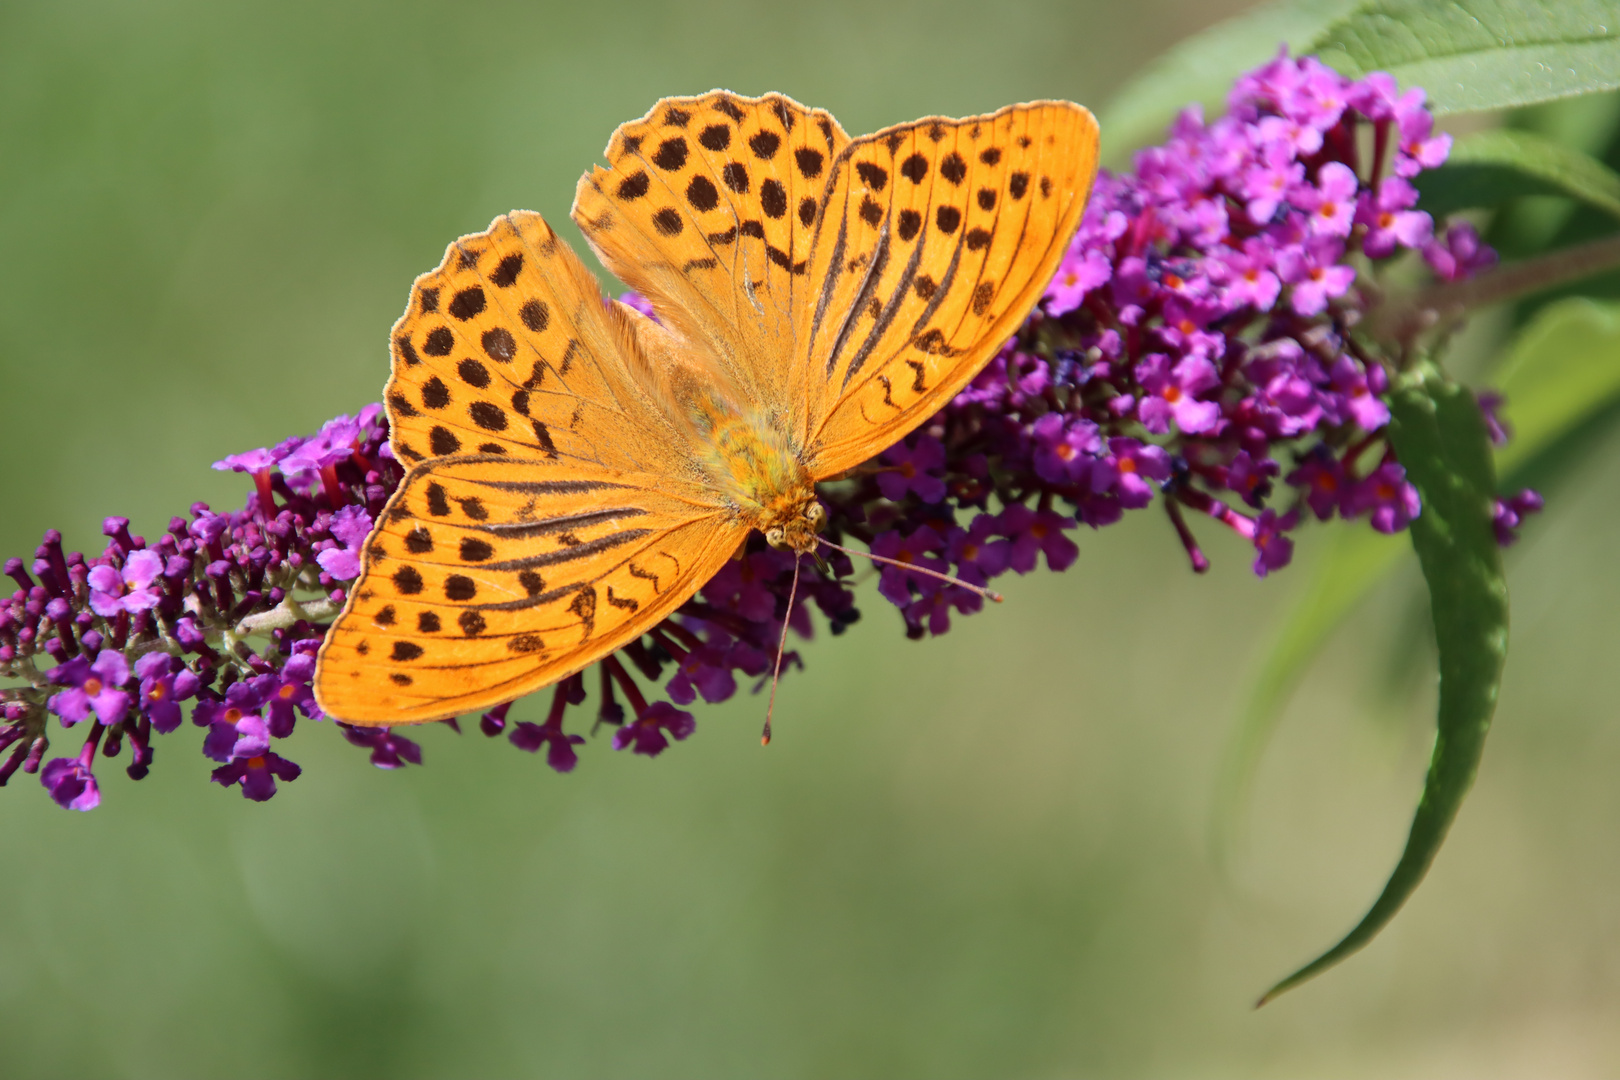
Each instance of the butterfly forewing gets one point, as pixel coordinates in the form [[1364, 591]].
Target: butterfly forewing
[[936, 240], [489, 577], [506, 349], [707, 208]]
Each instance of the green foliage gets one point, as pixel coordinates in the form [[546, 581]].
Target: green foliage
[[1477, 55], [1492, 167], [1471, 56], [1561, 373], [1439, 434], [1201, 68]]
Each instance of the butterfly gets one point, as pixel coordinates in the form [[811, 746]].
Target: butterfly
[[579, 470]]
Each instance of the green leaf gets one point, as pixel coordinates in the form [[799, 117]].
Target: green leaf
[[1439, 435], [1356, 559], [1492, 167], [1563, 369], [1202, 68], [1473, 55]]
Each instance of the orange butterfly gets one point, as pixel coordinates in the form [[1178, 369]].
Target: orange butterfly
[[578, 471]]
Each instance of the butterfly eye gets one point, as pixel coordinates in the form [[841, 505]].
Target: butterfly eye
[[774, 536]]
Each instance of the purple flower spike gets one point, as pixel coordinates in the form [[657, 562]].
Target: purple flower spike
[[257, 775], [559, 746], [71, 784], [1324, 482], [894, 582], [1461, 254], [252, 461], [350, 526], [1390, 220], [1273, 550], [162, 689], [1314, 271], [289, 691], [1385, 492], [92, 687], [705, 671], [1064, 449], [646, 734], [1333, 203], [1135, 467], [977, 557], [1172, 394], [388, 751], [235, 729], [913, 468], [1078, 274], [1033, 532], [131, 590], [1511, 512]]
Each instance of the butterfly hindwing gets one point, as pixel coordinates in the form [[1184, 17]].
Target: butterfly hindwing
[[507, 348], [488, 577], [707, 208], [936, 239]]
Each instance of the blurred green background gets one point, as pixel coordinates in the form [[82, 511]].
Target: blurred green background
[[978, 856]]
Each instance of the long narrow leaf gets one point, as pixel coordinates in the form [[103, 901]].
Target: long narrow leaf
[[1439, 435], [1488, 169], [1563, 369]]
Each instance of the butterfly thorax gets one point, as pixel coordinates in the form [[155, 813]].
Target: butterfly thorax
[[755, 465]]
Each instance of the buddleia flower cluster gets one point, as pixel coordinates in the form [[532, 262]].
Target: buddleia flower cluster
[[1197, 349]]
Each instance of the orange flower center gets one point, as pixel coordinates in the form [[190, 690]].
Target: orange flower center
[[256, 762], [232, 715], [93, 686], [286, 692], [1127, 465], [1172, 394]]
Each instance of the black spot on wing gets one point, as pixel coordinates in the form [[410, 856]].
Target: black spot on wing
[[764, 144], [634, 186], [439, 342], [467, 303], [701, 193], [507, 271], [772, 198], [668, 221], [535, 315], [671, 155]]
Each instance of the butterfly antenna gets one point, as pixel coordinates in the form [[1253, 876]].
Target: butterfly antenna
[[781, 646], [988, 594]]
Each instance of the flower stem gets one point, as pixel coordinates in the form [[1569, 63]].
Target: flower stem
[[1402, 320]]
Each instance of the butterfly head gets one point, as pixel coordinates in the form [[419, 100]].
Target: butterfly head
[[797, 529]]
